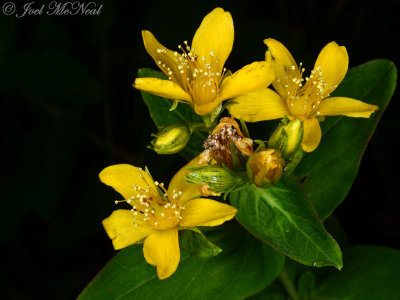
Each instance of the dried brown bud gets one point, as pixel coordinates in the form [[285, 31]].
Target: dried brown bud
[[218, 144]]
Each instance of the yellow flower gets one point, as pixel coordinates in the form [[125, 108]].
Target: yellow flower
[[195, 76], [307, 100], [157, 214]]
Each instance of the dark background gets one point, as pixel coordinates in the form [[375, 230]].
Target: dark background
[[68, 109]]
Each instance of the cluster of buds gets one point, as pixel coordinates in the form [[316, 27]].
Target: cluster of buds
[[227, 148], [219, 173], [266, 167]]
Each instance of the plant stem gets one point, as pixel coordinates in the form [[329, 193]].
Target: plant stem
[[288, 284], [207, 121], [198, 127]]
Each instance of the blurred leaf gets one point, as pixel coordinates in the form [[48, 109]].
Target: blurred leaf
[[328, 172], [229, 275], [196, 244], [159, 109], [369, 272], [283, 217], [270, 293], [306, 284]]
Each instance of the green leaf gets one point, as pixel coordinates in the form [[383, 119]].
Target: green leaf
[[328, 172], [230, 275], [196, 244], [272, 292], [369, 272], [283, 217], [159, 109]]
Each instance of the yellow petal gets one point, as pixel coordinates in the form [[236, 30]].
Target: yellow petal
[[120, 228], [333, 61], [206, 212], [178, 183], [257, 106], [165, 59], [311, 134], [335, 106], [214, 39], [281, 59], [250, 78], [161, 249], [123, 177], [162, 88]]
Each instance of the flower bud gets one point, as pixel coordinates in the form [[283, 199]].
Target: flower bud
[[226, 144], [171, 139], [287, 137], [214, 180], [265, 167]]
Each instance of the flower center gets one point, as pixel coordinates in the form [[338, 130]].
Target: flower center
[[199, 76], [154, 207], [303, 100]]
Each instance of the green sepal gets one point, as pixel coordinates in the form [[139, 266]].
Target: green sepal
[[261, 145], [195, 243], [174, 105], [227, 73], [236, 157], [293, 161], [215, 114], [244, 128]]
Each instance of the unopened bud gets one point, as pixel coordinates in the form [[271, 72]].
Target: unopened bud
[[287, 137], [214, 179], [171, 139], [265, 167]]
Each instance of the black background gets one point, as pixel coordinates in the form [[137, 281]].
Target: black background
[[68, 109]]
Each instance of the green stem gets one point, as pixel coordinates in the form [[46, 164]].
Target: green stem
[[207, 121], [198, 127], [288, 284]]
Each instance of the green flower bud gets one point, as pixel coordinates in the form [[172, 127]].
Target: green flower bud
[[287, 137], [171, 139], [214, 179]]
